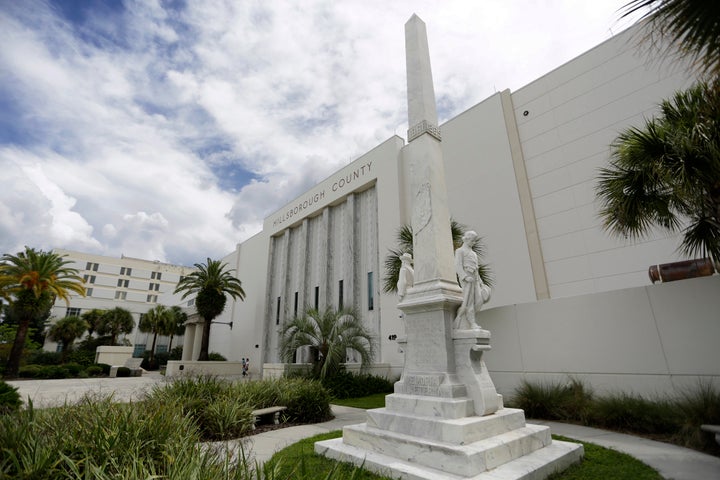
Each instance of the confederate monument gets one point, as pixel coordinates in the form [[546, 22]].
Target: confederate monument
[[445, 419]]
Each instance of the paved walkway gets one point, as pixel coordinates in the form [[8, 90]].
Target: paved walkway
[[673, 463]]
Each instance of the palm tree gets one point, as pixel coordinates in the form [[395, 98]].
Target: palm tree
[[115, 322], [93, 318], [66, 330], [158, 321], [212, 283], [330, 333], [668, 174], [179, 319], [405, 245], [33, 280], [693, 26]]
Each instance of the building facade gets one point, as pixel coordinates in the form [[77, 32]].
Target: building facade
[[131, 283], [520, 169]]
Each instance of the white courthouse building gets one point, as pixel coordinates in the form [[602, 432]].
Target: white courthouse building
[[521, 169]]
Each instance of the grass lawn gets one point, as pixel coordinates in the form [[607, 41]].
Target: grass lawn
[[300, 462], [371, 401]]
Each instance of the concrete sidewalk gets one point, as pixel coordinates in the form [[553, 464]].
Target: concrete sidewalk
[[673, 463]]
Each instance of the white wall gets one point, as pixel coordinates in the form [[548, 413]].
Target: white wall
[[573, 114], [482, 194], [648, 340], [250, 260]]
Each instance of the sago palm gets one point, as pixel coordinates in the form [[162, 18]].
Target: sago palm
[[405, 245], [212, 282], [667, 174], [331, 333], [33, 279]]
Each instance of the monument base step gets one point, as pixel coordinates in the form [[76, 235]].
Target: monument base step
[[538, 465]]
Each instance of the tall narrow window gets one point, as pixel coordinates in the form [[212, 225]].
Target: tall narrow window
[[277, 312], [371, 292], [296, 305], [340, 295], [88, 292], [317, 298]]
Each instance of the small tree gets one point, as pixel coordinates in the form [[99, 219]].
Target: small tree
[[667, 174], [212, 283], [158, 321], [66, 330], [330, 333], [93, 318], [33, 279], [115, 322], [179, 319]]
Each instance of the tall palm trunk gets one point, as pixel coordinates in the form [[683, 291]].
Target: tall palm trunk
[[205, 345], [152, 349], [13, 365]]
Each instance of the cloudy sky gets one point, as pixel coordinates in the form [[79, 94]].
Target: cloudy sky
[[168, 130]]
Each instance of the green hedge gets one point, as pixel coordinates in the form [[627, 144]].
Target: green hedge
[[9, 398], [347, 385]]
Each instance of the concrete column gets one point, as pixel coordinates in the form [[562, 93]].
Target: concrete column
[[326, 250], [188, 341], [197, 341], [349, 257]]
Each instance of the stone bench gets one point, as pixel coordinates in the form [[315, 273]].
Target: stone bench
[[265, 412], [133, 364], [712, 429]]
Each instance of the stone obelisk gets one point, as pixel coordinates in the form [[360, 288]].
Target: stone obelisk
[[429, 306], [445, 419]]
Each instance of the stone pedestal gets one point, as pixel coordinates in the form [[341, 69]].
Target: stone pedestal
[[452, 426]]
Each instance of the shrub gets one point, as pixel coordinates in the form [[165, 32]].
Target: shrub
[[225, 418], [634, 414], [347, 385], [94, 371], [31, 371], [41, 357], [216, 357], [9, 398], [695, 407], [103, 440], [105, 368], [570, 401], [82, 357], [73, 369], [176, 353], [307, 401], [123, 372]]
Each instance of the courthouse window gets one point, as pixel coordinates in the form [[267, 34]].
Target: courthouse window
[[340, 295], [277, 312], [72, 312], [371, 293], [296, 305], [317, 298]]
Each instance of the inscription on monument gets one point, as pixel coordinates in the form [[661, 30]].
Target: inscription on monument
[[422, 384]]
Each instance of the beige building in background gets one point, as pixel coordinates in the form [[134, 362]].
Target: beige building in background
[[131, 283]]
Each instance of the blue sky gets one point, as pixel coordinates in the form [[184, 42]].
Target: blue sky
[[168, 130]]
